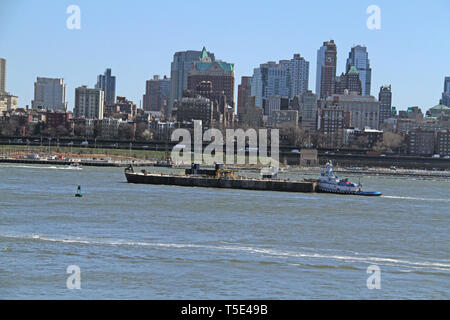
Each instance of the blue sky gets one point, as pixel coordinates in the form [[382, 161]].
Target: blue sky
[[137, 39]]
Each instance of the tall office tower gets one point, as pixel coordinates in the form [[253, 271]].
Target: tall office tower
[[157, 95], [299, 75], [385, 99], [270, 79], [107, 83], [244, 91], [50, 94], [179, 69], [446, 94], [257, 85], [359, 58], [8, 101], [349, 81], [2, 75], [326, 69], [89, 103], [219, 73], [307, 110]]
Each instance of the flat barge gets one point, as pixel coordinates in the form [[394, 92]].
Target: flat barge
[[218, 178]]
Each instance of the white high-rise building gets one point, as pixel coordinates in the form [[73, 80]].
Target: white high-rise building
[[287, 78], [49, 93], [299, 73], [89, 103]]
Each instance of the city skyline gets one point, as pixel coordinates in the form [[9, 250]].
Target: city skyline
[[69, 59]]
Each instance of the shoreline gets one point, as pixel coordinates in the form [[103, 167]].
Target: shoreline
[[83, 162], [150, 163]]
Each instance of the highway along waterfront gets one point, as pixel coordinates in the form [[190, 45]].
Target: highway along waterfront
[[138, 241]]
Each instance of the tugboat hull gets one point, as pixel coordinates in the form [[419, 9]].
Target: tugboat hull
[[356, 193], [369, 193]]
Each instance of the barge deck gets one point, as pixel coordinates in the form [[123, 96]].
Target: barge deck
[[213, 182]]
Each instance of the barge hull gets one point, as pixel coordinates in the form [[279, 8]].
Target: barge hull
[[248, 184]]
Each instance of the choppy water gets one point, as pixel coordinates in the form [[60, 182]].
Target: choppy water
[[163, 242]]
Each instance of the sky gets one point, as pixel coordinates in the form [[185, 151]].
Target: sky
[[137, 39]]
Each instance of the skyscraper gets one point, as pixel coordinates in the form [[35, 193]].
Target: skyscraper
[[179, 69], [359, 58], [299, 75], [326, 69], [446, 94], [7, 101], [385, 99], [157, 95], [307, 108], [349, 81], [244, 91], [107, 83], [89, 103], [2, 75], [287, 78], [49, 93], [219, 73], [270, 79]]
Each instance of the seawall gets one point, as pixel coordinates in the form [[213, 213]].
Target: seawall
[[82, 162]]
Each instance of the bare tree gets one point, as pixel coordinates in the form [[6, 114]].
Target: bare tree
[[9, 128], [61, 131], [125, 131], [391, 141]]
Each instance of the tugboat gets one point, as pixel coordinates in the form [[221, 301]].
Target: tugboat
[[330, 183]]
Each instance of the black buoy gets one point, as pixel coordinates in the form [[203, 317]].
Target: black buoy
[[78, 194]]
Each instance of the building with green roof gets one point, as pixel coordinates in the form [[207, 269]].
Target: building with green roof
[[438, 111], [349, 81], [179, 69], [219, 73]]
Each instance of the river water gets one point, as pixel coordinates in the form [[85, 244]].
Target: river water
[[166, 242]]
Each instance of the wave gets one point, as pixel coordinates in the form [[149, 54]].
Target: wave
[[398, 262], [414, 198]]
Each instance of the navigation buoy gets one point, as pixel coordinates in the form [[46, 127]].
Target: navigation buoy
[[78, 194]]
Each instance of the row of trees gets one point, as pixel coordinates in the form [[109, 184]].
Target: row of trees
[[294, 136], [125, 131], [389, 142]]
